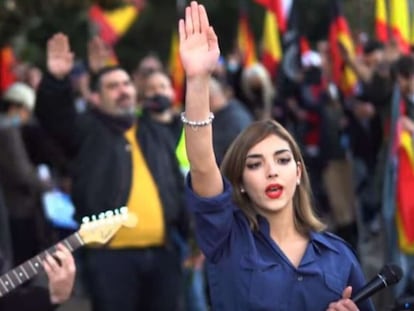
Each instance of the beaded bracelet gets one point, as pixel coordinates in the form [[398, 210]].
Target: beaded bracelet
[[196, 124]]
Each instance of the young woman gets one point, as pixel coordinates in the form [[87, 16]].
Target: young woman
[[265, 248]]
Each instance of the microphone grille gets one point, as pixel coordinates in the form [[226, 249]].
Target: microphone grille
[[391, 273]]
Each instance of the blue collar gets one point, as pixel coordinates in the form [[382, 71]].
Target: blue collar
[[318, 239], [324, 239]]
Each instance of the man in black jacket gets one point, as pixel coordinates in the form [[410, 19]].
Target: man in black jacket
[[119, 160]]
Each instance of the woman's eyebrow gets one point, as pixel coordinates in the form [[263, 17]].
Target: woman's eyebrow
[[256, 155]]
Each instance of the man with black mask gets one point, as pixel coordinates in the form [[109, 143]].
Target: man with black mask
[[158, 105]]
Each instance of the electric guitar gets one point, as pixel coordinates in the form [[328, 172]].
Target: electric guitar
[[94, 230]]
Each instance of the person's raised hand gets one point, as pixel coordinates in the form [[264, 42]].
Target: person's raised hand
[[98, 54], [60, 270], [59, 56], [199, 49]]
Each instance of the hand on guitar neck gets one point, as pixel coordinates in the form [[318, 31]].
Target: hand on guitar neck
[[60, 269], [58, 261]]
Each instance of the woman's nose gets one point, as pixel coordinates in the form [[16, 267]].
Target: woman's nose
[[272, 171]]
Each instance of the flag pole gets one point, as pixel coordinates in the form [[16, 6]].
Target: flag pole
[[389, 14]]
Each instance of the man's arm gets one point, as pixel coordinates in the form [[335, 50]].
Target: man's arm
[[55, 101]]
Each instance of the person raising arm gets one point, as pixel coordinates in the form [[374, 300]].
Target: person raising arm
[[199, 53], [265, 247]]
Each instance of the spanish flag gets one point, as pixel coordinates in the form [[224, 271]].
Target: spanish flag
[[245, 41], [279, 7], [176, 70], [339, 34], [271, 44], [381, 21], [400, 24], [405, 186], [112, 25], [7, 62]]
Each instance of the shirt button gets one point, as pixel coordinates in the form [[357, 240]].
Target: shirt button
[[300, 278]]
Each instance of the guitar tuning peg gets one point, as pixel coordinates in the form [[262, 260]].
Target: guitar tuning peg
[[124, 210], [116, 211], [93, 218], [85, 220], [101, 216]]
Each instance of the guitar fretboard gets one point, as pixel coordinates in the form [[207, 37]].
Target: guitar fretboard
[[30, 268]]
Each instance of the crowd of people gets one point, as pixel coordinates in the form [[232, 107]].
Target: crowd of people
[[250, 194]]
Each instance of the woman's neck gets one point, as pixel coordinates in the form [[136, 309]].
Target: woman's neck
[[282, 226], [285, 234]]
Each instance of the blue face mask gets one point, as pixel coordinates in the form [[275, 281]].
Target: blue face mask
[[157, 103]]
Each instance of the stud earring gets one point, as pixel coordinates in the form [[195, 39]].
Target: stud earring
[[242, 190], [298, 182]]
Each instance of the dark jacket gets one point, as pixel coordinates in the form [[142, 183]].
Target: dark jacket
[[18, 176], [102, 163]]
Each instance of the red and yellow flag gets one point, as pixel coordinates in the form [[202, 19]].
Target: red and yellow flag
[[7, 62], [339, 34], [112, 25], [271, 45], [280, 9], [245, 41], [405, 199], [176, 70], [400, 24], [381, 21]]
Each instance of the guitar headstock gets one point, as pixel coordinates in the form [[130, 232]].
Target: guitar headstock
[[101, 228]]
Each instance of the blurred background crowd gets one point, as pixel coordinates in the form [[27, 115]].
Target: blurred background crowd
[[338, 74]]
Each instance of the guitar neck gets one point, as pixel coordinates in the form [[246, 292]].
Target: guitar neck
[[30, 268]]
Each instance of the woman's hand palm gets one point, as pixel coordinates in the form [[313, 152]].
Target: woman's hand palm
[[197, 55]]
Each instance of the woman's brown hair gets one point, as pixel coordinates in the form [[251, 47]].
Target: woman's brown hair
[[234, 163]]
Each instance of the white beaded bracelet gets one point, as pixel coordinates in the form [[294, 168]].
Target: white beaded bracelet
[[196, 124]]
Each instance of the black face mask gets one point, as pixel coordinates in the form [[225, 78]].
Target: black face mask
[[157, 103]]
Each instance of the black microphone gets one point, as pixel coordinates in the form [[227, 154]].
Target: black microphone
[[389, 275]]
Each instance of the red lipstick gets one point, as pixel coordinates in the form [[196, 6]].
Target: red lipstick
[[274, 191]]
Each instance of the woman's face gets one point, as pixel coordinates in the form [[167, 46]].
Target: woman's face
[[271, 175]]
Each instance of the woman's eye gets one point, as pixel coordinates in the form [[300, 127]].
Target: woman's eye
[[284, 161], [253, 165]]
